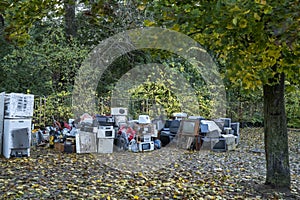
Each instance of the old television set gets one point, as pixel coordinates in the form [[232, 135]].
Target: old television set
[[204, 129], [227, 122], [189, 127], [106, 132], [236, 131], [146, 146], [220, 146]]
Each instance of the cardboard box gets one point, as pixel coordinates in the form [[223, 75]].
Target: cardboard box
[[59, 146], [146, 129]]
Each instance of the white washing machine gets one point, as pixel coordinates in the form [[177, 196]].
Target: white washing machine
[[105, 145], [16, 137]]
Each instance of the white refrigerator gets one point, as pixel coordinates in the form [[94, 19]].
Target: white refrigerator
[[17, 137], [16, 111]]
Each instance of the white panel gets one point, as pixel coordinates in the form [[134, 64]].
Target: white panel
[[9, 126], [180, 115], [147, 138], [106, 132], [144, 119], [120, 120], [86, 142], [2, 97], [105, 145], [18, 105], [119, 111], [213, 128]]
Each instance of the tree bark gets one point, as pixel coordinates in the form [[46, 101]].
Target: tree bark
[[276, 136]]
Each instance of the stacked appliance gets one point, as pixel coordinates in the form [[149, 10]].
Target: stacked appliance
[[119, 115], [169, 132], [146, 132], [16, 111], [105, 134]]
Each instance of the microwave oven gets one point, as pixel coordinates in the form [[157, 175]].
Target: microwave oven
[[146, 146], [106, 132]]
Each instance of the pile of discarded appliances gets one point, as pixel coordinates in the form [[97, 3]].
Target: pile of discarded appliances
[[101, 134], [107, 134], [196, 132]]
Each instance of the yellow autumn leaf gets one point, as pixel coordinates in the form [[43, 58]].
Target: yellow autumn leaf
[[246, 12], [140, 173], [243, 23], [234, 21], [35, 186], [263, 2], [75, 192], [234, 9], [229, 26], [148, 23], [20, 187], [141, 7], [257, 17], [176, 27]]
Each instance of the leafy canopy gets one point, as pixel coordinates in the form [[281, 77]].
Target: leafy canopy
[[254, 40]]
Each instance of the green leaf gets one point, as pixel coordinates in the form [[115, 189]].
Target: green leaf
[[234, 21]]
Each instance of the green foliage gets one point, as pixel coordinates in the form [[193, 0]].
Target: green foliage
[[56, 106], [161, 95], [47, 63], [251, 40], [246, 35], [20, 17], [46, 67], [160, 85], [246, 38], [293, 106]]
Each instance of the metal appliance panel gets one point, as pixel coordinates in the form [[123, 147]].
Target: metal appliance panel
[[13, 126], [86, 142], [20, 138]]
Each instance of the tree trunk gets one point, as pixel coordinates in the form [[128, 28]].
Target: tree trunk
[[70, 22], [276, 136]]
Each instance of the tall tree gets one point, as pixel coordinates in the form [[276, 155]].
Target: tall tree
[[258, 43], [70, 19]]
